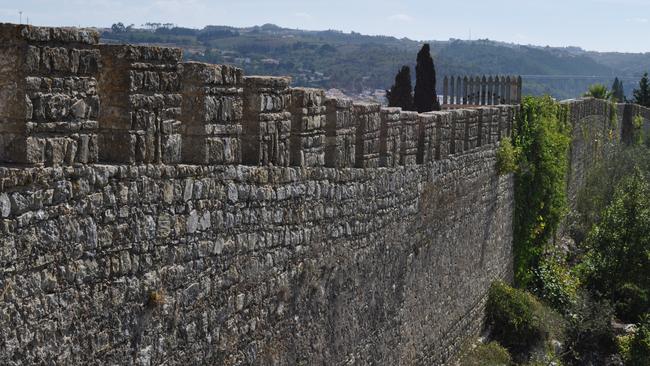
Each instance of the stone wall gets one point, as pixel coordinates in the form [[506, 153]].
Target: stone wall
[[212, 218], [232, 265], [342, 239], [597, 127]]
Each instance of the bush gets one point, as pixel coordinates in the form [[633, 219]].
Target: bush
[[507, 156], [489, 354], [554, 283], [589, 335], [516, 319], [640, 344]]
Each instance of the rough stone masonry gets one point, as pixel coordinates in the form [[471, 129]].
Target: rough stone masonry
[[154, 211]]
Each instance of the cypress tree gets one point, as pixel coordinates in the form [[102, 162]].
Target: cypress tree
[[618, 93], [425, 98], [400, 94], [642, 95]]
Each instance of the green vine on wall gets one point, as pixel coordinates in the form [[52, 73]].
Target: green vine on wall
[[542, 138]]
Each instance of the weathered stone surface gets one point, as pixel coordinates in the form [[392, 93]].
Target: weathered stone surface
[[341, 130], [390, 138], [267, 121], [140, 91], [195, 264], [307, 127], [48, 96], [410, 137], [212, 113], [368, 122]]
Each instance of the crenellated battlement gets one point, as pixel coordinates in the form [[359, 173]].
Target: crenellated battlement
[[69, 100]]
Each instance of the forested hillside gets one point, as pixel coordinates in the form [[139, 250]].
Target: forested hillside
[[357, 63]]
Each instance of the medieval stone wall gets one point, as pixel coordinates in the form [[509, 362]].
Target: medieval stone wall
[[207, 217]]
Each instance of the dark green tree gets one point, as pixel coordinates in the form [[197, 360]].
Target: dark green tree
[[618, 93], [642, 95], [425, 97], [400, 94]]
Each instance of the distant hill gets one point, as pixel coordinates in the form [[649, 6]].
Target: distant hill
[[356, 63]]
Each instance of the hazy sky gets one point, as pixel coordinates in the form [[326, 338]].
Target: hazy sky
[[603, 25]]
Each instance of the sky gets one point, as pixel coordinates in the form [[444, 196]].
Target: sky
[[600, 25]]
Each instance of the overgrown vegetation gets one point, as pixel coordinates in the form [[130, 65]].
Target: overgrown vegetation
[[601, 277], [618, 257], [507, 156], [542, 135]]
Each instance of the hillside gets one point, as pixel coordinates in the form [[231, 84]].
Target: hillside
[[357, 63]]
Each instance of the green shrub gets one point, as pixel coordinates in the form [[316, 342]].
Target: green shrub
[[639, 345], [623, 345], [489, 354], [554, 282], [589, 335], [507, 156], [516, 319]]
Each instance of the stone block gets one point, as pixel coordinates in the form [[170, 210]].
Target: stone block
[[444, 134], [428, 139], [485, 124], [212, 113], [472, 129], [267, 121], [459, 122], [340, 130], [48, 95], [367, 120], [307, 127], [139, 88], [410, 137], [390, 137]]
